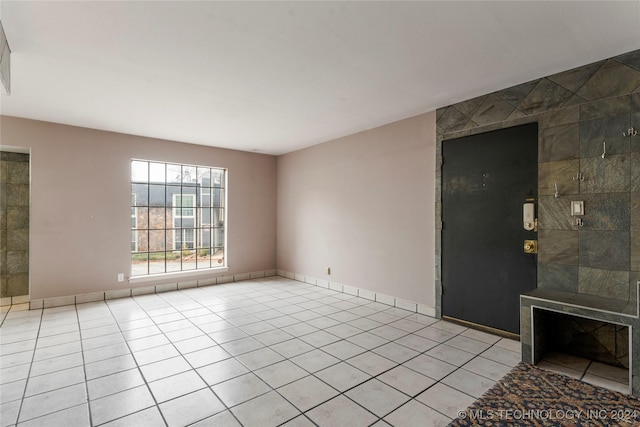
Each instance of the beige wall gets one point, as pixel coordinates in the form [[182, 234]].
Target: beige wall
[[80, 214], [364, 206]]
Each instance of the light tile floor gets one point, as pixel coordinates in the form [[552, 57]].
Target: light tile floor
[[263, 353]]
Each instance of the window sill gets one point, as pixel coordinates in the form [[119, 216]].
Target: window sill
[[177, 275]]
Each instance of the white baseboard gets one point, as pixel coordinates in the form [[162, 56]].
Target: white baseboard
[[36, 304], [362, 293]]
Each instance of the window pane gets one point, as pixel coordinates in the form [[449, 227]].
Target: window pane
[[204, 177], [203, 236], [217, 237], [156, 240], [217, 198], [139, 264], [205, 197], [189, 175], [204, 258], [156, 219], [175, 264], [156, 195], [217, 178], [140, 194], [139, 171], [157, 173], [156, 262], [174, 174], [217, 259], [217, 217]]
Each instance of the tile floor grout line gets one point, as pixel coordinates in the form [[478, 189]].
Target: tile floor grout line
[[146, 383], [26, 384]]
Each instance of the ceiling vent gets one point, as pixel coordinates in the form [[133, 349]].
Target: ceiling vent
[[5, 63]]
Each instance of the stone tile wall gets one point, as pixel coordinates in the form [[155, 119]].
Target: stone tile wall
[[576, 111], [14, 224]]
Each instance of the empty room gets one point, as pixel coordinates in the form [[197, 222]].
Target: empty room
[[319, 213]]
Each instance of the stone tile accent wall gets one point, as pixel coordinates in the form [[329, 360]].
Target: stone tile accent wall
[[576, 111], [14, 224]]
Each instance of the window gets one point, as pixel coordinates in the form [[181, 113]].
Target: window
[[177, 217]]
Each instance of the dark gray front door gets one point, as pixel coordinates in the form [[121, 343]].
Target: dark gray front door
[[486, 179]]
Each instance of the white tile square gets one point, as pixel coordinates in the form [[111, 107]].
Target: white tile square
[[194, 344], [307, 392], [445, 399], [430, 366], [502, 355], [221, 419], [481, 336], [74, 416], [292, 348], [415, 414], [268, 410], [468, 344], [341, 411], [190, 408], [259, 358], [149, 417], [450, 355], [371, 363], [319, 338], [222, 371], [367, 340], [164, 368], [416, 342], [395, 352], [206, 356], [176, 385], [115, 383], [54, 380], [280, 373], [109, 366], [52, 401], [343, 349], [406, 380], [377, 397], [120, 404], [314, 360], [487, 368], [468, 382], [240, 389], [241, 346]]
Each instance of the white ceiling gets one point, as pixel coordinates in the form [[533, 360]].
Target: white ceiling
[[274, 77]]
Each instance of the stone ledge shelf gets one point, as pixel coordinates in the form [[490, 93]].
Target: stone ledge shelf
[[619, 312]]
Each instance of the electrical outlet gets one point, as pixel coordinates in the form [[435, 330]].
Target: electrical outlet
[[120, 277], [328, 270]]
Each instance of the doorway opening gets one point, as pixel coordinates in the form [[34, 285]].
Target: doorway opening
[[14, 226]]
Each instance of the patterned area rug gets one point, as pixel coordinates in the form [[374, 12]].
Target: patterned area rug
[[530, 396]]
